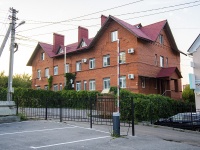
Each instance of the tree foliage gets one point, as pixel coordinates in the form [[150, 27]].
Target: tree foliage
[[19, 80], [188, 94]]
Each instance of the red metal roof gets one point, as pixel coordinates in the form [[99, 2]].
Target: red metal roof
[[153, 30], [167, 72], [149, 32], [133, 29]]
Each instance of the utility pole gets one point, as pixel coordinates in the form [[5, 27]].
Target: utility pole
[[12, 45]]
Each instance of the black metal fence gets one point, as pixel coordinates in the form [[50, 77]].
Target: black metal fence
[[94, 111], [100, 111]]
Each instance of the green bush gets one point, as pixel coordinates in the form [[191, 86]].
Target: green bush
[[3, 94], [150, 107]]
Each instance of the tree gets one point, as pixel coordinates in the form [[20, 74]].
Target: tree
[[188, 94], [19, 80], [3, 80]]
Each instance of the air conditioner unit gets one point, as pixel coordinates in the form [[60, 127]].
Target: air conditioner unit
[[192, 64], [40, 78], [130, 76], [84, 60], [131, 50]]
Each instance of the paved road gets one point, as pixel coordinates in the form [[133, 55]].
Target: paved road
[[53, 135]]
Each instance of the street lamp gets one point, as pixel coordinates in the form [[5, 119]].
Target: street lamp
[[12, 46]]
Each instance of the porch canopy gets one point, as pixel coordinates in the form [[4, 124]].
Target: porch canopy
[[171, 73]]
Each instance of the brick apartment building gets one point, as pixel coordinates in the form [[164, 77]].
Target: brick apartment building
[[149, 59]]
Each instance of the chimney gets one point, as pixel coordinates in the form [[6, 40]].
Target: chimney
[[82, 33], [58, 40], [103, 19]]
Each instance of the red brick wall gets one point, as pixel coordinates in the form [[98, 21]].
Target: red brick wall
[[141, 63]]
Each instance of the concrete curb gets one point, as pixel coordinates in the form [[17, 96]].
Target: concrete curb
[[8, 119]]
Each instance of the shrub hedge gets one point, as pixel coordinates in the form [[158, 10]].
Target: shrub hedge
[[147, 107], [151, 107]]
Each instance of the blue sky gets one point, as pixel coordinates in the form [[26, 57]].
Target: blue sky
[[182, 16]]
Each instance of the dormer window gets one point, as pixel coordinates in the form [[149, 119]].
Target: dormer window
[[60, 51], [83, 44]]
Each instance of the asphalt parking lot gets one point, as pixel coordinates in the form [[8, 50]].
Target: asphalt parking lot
[[53, 135]]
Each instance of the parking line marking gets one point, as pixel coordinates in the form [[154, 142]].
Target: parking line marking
[[103, 137], [88, 128], [14, 122], [36, 131]]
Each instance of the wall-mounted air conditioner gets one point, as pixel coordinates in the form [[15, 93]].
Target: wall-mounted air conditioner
[[84, 60], [131, 50], [130, 76]]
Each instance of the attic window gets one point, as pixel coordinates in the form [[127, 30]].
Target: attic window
[[83, 44], [60, 51], [114, 36], [42, 56], [161, 39]]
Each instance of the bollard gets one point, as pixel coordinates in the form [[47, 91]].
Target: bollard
[[116, 124]]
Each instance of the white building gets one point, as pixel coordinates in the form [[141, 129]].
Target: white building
[[194, 51]]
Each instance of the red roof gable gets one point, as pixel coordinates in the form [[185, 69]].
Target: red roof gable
[[133, 29], [153, 30]]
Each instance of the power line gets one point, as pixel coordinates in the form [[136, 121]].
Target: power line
[[83, 15], [73, 19], [163, 12], [137, 12], [124, 19], [63, 30]]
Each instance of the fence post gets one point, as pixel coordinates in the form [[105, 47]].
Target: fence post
[[60, 109], [90, 112], [46, 109], [191, 115], [133, 117], [17, 105]]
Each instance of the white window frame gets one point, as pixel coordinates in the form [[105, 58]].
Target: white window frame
[[143, 82], [46, 72], [85, 85], [106, 60], [46, 87], [122, 58], [122, 82], [92, 85], [55, 70], [114, 36], [78, 86], [38, 88], [92, 63], [55, 87], [42, 56], [60, 51], [66, 68], [83, 44], [106, 83], [161, 39], [38, 73], [78, 66], [60, 86], [161, 61]]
